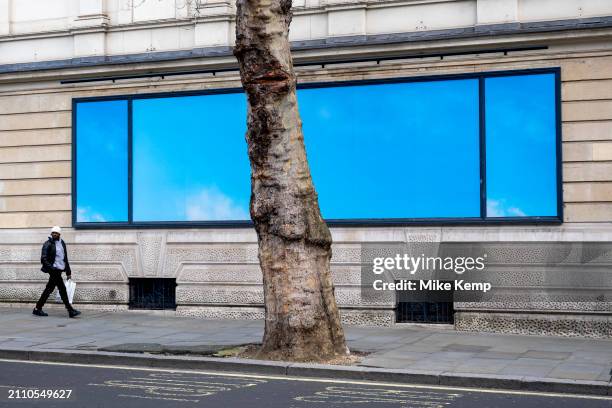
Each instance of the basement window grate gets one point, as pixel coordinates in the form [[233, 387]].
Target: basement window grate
[[425, 312], [152, 293], [424, 307]]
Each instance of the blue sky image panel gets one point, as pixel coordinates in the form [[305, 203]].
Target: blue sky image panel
[[403, 150], [102, 161], [521, 143], [190, 158]]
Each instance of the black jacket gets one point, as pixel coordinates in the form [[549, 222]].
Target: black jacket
[[47, 257]]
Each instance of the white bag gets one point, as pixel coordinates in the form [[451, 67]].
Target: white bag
[[70, 288]]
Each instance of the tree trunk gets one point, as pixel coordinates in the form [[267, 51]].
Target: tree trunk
[[302, 319]]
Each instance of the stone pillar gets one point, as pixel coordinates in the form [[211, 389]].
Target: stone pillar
[[345, 19], [90, 28], [497, 11], [216, 28], [153, 10], [5, 17]]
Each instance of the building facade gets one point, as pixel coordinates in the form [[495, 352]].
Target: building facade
[[119, 118]]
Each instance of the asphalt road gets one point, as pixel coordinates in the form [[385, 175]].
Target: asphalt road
[[109, 386]]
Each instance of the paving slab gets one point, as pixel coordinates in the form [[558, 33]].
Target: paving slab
[[548, 355], [499, 355], [579, 371], [520, 369], [431, 365]]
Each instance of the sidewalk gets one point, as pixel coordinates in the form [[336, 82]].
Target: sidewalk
[[404, 353]]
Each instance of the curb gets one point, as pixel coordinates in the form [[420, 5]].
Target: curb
[[323, 371]]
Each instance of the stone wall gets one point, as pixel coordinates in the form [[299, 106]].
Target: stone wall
[[216, 269], [35, 126], [218, 276]]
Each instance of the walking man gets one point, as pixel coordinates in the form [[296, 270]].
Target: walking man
[[54, 261]]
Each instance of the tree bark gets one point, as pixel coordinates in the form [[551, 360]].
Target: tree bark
[[302, 319]]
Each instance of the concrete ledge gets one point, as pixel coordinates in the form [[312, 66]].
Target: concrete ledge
[[566, 386], [508, 382], [324, 371], [280, 368]]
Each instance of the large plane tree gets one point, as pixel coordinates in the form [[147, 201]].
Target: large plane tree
[[302, 319]]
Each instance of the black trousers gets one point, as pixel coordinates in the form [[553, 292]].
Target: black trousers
[[55, 279]]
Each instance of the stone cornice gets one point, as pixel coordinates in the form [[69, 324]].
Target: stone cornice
[[500, 35], [225, 13]]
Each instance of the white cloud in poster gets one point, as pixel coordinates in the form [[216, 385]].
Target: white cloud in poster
[[499, 208], [85, 214], [210, 204]]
